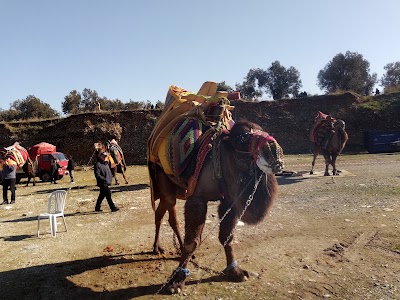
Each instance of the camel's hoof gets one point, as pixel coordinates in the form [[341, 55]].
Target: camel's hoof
[[311, 172], [177, 282], [175, 289], [237, 274], [158, 250]]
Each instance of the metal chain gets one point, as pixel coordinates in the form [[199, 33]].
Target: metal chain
[[248, 203]]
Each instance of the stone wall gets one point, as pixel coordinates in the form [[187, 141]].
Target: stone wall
[[289, 121]]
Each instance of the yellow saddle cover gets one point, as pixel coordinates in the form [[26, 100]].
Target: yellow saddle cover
[[179, 104]]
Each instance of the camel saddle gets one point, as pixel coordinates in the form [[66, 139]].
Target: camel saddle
[[183, 134], [117, 155], [322, 130], [17, 153]]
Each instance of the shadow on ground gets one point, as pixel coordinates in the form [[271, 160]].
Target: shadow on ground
[[52, 281]]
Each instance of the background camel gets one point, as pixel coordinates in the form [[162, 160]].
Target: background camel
[[328, 137], [19, 154], [239, 172]]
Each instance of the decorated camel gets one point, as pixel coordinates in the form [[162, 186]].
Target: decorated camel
[[197, 153], [328, 137], [116, 157], [18, 155]]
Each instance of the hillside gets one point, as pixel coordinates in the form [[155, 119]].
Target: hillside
[[288, 120]]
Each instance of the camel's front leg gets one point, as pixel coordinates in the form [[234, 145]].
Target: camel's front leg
[[158, 216], [335, 171], [327, 163], [227, 226], [195, 217]]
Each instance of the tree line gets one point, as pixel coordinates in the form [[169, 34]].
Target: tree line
[[345, 72]]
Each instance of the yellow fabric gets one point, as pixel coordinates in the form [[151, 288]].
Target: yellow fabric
[[110, 159], [180, 104], [10, 162]]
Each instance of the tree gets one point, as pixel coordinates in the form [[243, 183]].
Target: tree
[[248, 89], [112, 104], [392, 76], [347, 72], [71, 104], [281, 82], [222, 86], [9, 115], [89, 100], [32, 107], [160, 105], [276, 81], [132, 105]]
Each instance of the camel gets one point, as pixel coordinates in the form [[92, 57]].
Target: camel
[[328, 137], [115, 157], [238, 172], [20, 155]]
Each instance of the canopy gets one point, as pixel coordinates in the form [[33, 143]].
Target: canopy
[[40, 148]]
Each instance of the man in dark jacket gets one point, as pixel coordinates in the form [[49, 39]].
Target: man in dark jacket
[[8, 174], [104, 177], [54, 166], [71, 168]]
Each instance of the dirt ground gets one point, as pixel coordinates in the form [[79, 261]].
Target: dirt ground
[[327, 237]]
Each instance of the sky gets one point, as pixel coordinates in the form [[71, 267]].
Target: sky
[[134, 50]]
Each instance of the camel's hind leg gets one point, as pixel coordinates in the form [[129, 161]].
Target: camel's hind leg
[[168, 192], [114, 173], [123, 173], [328, 161]]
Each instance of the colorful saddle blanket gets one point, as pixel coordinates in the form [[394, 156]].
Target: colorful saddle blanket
[[183, 144], [17, 153], [322, 129], [117, 154]]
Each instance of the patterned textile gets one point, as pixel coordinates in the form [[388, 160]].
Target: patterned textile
[[207, 140], [117, 156], [184, 142], [17, 153], [322, 129]]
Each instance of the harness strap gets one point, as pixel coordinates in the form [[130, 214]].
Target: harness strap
[[206, 146]]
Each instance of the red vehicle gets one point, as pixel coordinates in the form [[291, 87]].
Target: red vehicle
[[42, 154]]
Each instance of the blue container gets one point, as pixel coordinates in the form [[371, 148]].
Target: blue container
[[382, 141]]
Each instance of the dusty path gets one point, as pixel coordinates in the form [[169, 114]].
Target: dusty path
[[333, 238]]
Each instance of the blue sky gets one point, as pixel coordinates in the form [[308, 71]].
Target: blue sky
[[133, 50]]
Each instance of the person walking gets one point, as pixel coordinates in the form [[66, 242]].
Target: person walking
[[9, 176], [71, 167], [54, 170], [104, 177]]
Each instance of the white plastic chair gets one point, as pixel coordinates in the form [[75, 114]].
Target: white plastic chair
[[55, 208]]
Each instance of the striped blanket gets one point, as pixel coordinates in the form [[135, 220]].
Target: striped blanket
[[17, 153], [322, 129], [184, 142], [117, 155]]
